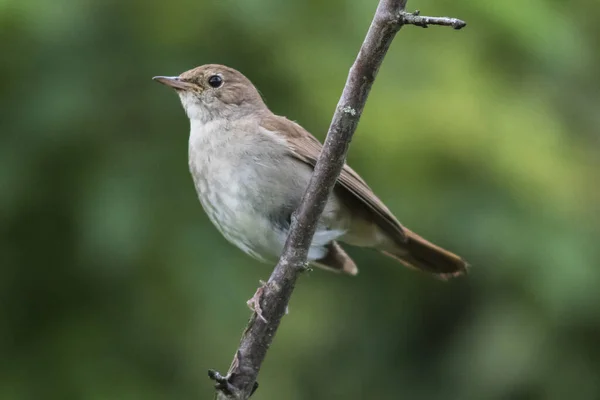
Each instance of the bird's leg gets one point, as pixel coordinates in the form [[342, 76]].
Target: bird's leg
[[254, 302]]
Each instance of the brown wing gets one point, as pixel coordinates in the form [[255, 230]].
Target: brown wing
[[307, 148]]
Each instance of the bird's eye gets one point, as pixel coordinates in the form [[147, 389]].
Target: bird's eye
[[215, 81]]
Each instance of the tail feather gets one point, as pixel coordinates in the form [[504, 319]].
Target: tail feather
[[337, 260], [421, 254]]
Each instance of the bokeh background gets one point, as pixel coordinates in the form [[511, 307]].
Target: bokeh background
[[114, 285]]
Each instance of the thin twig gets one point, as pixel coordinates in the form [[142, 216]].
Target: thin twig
[[240, 381], [422, 21]]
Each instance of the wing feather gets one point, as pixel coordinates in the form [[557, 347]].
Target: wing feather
[[306, 148]]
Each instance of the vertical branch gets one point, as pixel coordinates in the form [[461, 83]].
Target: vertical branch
[[274, 296]]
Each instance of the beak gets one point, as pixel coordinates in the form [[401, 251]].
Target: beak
[[174, 82]]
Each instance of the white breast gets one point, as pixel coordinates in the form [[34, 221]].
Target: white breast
[[241, 174]]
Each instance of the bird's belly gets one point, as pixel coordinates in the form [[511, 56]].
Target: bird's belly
[[230, 207], [250, 198]]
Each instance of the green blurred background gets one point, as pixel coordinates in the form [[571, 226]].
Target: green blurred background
[[114, 285]]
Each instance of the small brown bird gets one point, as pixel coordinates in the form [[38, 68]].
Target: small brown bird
[[251, 168]]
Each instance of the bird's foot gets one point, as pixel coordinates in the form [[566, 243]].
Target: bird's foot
[[254, 302]]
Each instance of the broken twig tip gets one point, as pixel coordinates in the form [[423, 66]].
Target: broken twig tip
[[458, 25], [222, 382]]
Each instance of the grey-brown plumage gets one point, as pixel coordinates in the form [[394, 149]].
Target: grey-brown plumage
[[251, 167]]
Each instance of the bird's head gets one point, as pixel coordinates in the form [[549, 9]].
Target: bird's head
[[214, 91]]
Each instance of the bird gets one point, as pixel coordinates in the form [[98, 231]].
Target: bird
[[250, 168]]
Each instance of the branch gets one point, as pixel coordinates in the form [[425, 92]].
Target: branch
[[424, 22], [273, 297]]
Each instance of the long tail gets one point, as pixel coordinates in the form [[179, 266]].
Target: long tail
[[421, 254]]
